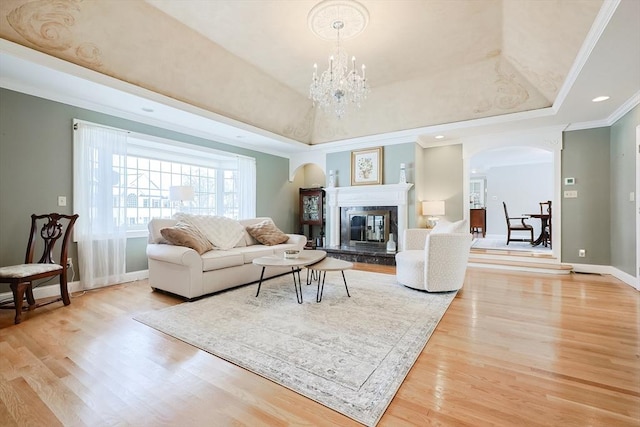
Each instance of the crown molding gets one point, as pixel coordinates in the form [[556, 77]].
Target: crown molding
[[602, 20], [629, 105]]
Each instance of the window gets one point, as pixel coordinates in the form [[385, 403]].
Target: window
[[476, 193], [152, 166]]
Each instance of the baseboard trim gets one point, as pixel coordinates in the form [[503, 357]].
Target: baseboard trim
[[610, 270], [54, 289]]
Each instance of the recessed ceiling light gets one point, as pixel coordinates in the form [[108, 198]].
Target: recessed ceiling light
[[439, 136], [147, 109], [600, 98]]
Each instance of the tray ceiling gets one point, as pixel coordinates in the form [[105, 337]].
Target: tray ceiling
[[428, 62]]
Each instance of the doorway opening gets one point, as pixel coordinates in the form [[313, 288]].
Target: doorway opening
[[512, 182]]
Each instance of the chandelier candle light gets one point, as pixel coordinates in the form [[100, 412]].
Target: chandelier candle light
[[341, 85]]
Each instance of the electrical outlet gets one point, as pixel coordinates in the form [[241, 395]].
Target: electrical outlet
[[570, 194], [69, 262], [582, 253]]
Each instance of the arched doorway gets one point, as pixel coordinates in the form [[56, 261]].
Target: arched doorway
[[519, 176], [520, 169]]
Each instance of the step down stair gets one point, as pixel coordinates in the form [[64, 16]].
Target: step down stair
[[520, 261]]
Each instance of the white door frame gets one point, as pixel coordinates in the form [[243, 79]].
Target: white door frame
[[549, 139], [637, 207]]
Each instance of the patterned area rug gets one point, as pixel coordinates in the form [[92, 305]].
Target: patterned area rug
[[349, 354]]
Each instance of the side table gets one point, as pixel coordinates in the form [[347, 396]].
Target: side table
[[328, 264]]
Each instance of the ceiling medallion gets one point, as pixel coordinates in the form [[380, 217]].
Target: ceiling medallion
[[340, 85]]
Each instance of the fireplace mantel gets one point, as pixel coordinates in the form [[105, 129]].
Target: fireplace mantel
[[366, 195]]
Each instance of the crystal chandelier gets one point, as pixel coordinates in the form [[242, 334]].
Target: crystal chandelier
[[341, 86]]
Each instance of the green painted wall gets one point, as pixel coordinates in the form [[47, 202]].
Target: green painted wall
[[586, 219], [36, 167], [623, 182], [392, 156]]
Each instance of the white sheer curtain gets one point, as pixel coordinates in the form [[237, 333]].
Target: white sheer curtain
[[99, 198], [247, 187]]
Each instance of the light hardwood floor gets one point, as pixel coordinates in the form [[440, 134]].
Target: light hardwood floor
[[512, 349]]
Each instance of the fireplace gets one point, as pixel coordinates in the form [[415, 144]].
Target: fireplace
[[367, 241], [368, 226]]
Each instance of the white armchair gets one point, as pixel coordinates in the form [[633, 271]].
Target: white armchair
[[434, 260]]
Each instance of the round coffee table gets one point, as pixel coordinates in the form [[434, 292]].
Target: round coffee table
[[328, 264], [305, 258]]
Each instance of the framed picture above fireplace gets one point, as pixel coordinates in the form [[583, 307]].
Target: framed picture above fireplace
[[366, 166]]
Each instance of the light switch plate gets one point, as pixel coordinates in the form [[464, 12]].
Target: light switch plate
[[62, 201], [632, 197], [569, 181], [571, 194]]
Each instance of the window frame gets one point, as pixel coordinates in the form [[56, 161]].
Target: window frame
[[155, 148]]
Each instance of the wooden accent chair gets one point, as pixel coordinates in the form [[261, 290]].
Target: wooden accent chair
[[545, 208], [522, 226], [45, 231]]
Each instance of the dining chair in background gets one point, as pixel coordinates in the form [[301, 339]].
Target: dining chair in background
[[517, 226]]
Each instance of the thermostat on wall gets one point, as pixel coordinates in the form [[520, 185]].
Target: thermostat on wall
[[569, 181]]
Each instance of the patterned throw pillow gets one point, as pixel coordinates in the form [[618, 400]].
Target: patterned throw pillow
[[183, 234], [222, 232], [267, 233]]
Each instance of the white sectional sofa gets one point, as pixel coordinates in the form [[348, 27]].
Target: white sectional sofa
[[183, 271]]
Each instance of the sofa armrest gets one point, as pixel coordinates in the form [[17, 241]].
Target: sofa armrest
[[415, 238], [297, 239], [180, 255]]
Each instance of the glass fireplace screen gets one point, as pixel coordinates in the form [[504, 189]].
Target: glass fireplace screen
[[368, 227]]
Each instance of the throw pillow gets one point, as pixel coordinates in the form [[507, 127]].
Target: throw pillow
[[267, 233], [184, 234], [460, 227], [445, 226], [222, 232]]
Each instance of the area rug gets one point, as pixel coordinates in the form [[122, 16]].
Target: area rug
[[501, 245], [349, 354]]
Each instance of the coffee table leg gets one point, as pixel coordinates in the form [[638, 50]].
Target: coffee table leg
[[260, 282], [297, 285], [345, 284], [320, 286]]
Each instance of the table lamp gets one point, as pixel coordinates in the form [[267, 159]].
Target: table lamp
[[432, 209], [181, 194]]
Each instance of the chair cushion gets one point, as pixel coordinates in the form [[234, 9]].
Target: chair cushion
[[25, 270], [249, 253], [216, 260], [184, 234], [267, 233]]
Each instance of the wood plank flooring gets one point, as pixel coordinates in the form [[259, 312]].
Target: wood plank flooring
[[513, 349]]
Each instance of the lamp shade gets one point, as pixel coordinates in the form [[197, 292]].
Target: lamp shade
[[181, 193], [433, 207]]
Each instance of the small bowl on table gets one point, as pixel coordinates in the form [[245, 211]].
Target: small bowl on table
[[291, 254]]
